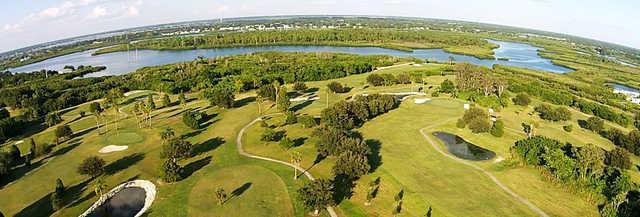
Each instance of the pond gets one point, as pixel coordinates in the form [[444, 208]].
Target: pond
[[518, 54], [632, 94], [126, 203], [463, 149]]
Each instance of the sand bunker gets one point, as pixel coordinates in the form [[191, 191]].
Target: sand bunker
[[421, 100], [113, 148]]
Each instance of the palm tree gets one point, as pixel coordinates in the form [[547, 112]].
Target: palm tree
[[99, 186], [451, 59], [296, 159], [167, 134], [97, 110], [113, 98]]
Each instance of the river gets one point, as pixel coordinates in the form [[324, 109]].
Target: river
[[518, 54]]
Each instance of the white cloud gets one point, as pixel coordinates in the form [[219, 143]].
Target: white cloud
[[97, 12], [57, 11], [12, 28], [222, 8], [132, 11]]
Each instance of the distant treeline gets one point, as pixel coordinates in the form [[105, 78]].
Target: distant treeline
[[391, 38]]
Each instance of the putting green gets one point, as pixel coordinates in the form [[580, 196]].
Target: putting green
[[122, 138], [251, 190]]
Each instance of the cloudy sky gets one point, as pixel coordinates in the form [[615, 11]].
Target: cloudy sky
[[28, 22]]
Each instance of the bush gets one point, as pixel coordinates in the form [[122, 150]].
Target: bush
[[337, 87], [498, 129], [171, 171], [270, 135], [192, 119], [553, 114], [619, 158], [307, 121], [92, 166], [435, 94], [290, 117], [594, 124], [447, 86], [461, 124], [63, 131], [479, 125], [286, 143], [299, 86], [522, 99], [403, 78], [375, 80], [568, 128]]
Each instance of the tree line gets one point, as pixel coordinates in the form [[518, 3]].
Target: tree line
[[589, 169]]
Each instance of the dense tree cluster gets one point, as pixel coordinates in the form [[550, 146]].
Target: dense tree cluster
[[173, 151], [547, 112], [522, 99], [584, 167], [192, 119], [315, 36], [477, 78], [477, 120], [350, 114], [560, 94], [336, 87], [388, 79], [629, 141]]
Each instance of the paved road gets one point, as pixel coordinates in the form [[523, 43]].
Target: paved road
[[493, 178], [331, 211]]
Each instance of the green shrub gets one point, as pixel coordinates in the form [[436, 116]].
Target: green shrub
[[498, 129], [290, 117], [269, 135], [307, 121], [286, 143], [568, 128], [522, 99], [299, 86], [460, 123]]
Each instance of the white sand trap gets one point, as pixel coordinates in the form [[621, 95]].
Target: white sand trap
[[498, 160], [19, 142], [113, 148], [421, 100]]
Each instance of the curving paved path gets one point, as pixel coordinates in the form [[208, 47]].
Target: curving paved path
[[491, 176], [241, 151]]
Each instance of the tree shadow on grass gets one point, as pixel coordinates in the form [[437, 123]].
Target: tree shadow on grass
[[65, 149], [374, 157], [343, 188], [301, 105], [244, 101], [192, 167], [299, 141], [19, 172], [42, 207], [207, 146], [84, 132], [123, 163], [238, 191]]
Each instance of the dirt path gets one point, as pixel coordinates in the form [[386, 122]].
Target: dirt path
[[241, 151], [491, 176]]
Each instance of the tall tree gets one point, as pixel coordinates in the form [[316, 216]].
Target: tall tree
[[52, 119], [591, 160], [63, 132], [221, 195], [282, 99], [114, 96], [96, 110], [99, 187], [166, 101], [296, 159], [316, 195], [92, 166], [167, 134], [182, 99]]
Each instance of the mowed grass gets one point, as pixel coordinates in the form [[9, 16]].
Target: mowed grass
[[253, 190], [409, 163], [215, 150]]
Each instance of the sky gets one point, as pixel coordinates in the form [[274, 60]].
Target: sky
[[28, 22]]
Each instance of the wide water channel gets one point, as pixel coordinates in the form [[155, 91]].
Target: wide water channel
[[463, 149], [518, 54]]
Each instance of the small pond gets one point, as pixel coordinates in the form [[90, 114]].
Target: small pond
[[463, 149], [126, 203]]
